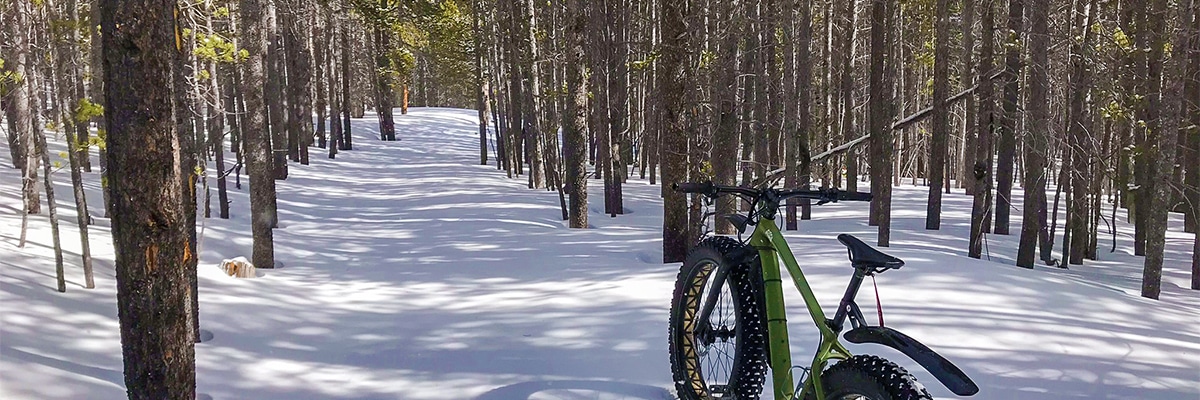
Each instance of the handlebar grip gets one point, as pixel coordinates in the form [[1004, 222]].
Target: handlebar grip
[[854, 196], [694, 187]]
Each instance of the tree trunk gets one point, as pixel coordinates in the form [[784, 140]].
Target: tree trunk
[[724, 153], [1008, 122], [982, 170], [618, 105], [40, 149], [1036, 139], [803, 103], [1079, 128], [275, 87], [257, 146], [1163, 135], [385, 87], [149, 232], [881, 109], [22, 105], [672, 84], [347, 136], [938, 149], [320, 53], [68, 83], [296, 33], [1191, 159], [970, 131], [847, 29], [533, 98], [481, 82], [575, 117]]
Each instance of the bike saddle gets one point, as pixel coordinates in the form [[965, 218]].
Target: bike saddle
[[865, 256]]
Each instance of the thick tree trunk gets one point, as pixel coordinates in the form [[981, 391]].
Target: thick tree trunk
[[672, 84], [804, 115], [575, 117], [881, 109], [149, 232], [791, 98], [982, 170], [970, 131], [190, 161], [296, 32], [724, 153], [1163, 133], [618, 106], [347, 135], [257, 146], [385, 87], [533, 98], [1008, 121], [22, 109], [481, 82], [320, 54], [1191, 159], [847, 29], [274, 87], [938, 148], [1036, 139]]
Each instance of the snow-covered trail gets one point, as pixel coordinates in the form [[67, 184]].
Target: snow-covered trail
[[411, 272]]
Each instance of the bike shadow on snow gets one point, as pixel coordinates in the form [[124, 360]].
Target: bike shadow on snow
[[576, 389]]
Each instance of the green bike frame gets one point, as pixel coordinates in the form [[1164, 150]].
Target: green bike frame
[[771, 249]]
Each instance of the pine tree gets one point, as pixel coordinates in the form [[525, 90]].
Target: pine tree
[[148, 227]]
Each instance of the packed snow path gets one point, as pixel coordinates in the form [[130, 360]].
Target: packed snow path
[[411, 272]]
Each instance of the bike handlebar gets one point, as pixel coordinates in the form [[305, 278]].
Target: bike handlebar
[[821, 195]]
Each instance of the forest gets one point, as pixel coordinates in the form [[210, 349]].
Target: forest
[[1088, 110]]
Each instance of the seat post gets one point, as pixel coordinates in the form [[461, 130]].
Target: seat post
[[839, 318]]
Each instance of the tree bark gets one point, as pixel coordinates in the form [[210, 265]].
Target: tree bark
[[40, 150], [1164, 134], [970, 124], [257, 147], [149, 232], [575, 117], [533, 98], [724, 153], [847, 29], [982, 170], [347, 136], [296, 33], [1008, 122], [881, 109], [1036, 139], [481, 82], [275, 86], [672, 85], [938, 148], [21, 104]]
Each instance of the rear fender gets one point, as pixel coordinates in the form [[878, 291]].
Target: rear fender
[[941, 368]]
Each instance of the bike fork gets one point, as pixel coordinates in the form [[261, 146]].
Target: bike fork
[[779, 353]]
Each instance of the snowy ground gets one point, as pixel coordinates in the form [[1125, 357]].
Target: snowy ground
[[413, 273]]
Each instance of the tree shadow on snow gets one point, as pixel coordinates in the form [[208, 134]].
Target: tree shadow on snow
[[576, 389]]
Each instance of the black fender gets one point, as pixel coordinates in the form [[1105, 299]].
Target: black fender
[[941, 368]]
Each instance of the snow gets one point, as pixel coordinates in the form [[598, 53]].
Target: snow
[[412, 272]]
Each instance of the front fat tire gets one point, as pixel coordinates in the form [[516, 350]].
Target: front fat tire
[[745, 283], [870, 377]]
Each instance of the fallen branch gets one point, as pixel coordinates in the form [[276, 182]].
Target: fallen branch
[[904, 122]]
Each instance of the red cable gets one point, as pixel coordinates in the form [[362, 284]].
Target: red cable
[[878, 303]]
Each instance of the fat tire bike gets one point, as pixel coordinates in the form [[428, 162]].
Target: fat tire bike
[[728, 321]]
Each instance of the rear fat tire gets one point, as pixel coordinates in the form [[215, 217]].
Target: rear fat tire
[[749, 367], [872, 377]]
